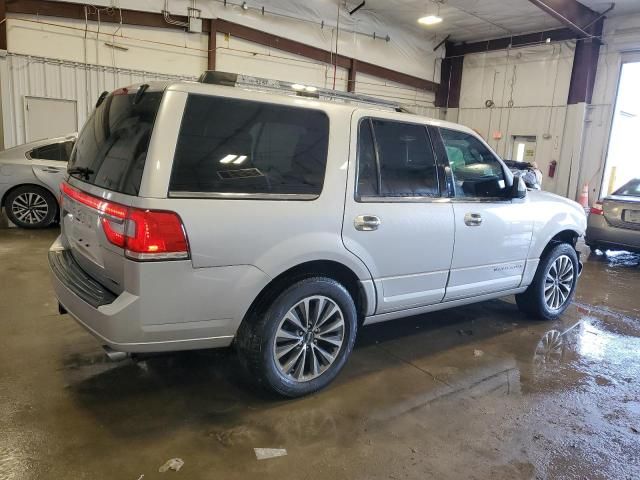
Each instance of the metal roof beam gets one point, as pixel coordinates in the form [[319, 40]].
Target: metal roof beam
[[571, 13]]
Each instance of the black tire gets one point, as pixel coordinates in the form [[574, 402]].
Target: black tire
[[40, 213], [532, 301], [256, 340]]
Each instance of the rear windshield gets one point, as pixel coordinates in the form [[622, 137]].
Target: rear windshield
[[238, 146], [631, 189], [112, 146]]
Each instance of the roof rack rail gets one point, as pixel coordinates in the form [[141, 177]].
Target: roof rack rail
[[280, 86]]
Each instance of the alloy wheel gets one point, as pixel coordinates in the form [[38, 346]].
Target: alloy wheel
[[558, 282], [30, 208], [309, 338]]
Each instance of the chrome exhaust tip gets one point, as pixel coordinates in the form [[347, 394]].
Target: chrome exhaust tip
[[115, 355]]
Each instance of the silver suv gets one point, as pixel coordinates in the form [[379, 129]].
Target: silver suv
[[200, 215]]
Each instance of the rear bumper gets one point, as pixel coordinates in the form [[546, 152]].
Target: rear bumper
[[173, 309], [603, 235]]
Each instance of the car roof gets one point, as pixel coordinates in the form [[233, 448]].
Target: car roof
[[329, 106]]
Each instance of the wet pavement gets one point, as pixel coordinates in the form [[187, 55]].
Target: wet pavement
[[472, 392]]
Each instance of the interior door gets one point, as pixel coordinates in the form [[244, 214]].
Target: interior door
[[395, 219], [493, 232], [49, 117], [524, 149]]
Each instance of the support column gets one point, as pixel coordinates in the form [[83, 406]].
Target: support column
[[351, 82], [448, 94], [211, 60], [585, 65]]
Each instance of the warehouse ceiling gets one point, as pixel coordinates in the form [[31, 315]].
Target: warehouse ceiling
[[621, 7], [470, 20], [462, 20], [467, 20]]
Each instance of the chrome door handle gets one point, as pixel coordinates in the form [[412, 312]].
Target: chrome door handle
[[366, 223], [472, 219]]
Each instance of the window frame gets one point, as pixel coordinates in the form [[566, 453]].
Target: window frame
[[378, 198], [301, 197], [450, 180]]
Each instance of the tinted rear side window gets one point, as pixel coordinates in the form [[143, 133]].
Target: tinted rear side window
[[60, 151], [112, 147], [407, 163], [239, 146]]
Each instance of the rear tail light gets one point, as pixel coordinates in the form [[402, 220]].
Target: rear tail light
[[596, 209], [143, 234]]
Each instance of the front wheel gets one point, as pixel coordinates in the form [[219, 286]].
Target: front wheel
[[553, 285], [299, 343]]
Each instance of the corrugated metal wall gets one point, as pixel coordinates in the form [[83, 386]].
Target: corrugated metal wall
[[22, 75]]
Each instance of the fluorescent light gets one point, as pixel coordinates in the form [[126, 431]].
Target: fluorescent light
[[311, 89], [430, 20], [228, 159], [297, 86], [240, 159]]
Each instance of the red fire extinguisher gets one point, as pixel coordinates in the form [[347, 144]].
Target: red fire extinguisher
[[552, 168]]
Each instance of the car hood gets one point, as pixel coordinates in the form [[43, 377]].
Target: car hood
[[542, 196]]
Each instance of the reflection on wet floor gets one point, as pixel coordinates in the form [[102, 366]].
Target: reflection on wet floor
[[474, 392]]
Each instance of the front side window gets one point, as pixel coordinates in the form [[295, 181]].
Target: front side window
[[60, 151], [477, 173], [405, 165], [238, 146]]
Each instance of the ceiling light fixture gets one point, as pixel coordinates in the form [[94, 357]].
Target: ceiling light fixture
[[430, 20]]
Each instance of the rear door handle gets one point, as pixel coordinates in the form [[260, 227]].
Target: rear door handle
[[472, 219], [366, 223]]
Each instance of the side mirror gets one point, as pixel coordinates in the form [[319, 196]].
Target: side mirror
[[518, 187]]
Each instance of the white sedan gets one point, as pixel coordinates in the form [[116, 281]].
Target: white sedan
[[30, 176]]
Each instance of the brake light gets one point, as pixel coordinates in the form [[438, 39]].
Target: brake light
[[143, 234], [596, 209], [155, 234]]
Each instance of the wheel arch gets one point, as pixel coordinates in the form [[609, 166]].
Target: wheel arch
[[325, 268], [564, 236]]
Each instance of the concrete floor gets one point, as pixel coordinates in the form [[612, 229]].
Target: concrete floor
[[474, 392]]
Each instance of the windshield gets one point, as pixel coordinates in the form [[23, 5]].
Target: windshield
[[631, 188], [112, 147]]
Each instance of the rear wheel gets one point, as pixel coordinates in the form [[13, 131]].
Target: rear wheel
[[30, 206], [553, 285], [300, 342]]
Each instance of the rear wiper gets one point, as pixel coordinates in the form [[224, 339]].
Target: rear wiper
[[84, 171]]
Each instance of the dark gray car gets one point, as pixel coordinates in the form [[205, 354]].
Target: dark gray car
[[614, 223]]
